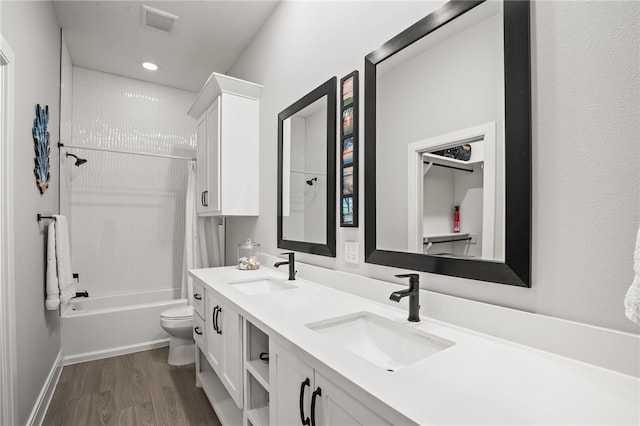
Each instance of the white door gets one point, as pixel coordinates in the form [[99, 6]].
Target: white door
[[8, 377], [291, 392], [229, 323], [214, 339], [333, 406], [213, 161], [202, 157]]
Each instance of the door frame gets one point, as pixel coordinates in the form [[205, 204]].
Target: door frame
[[415, 172], [8, 372]]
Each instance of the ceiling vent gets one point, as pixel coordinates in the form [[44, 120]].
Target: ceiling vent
[[159, 20]]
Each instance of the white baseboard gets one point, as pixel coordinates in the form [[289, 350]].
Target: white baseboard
[[44, 399], [108, 353]]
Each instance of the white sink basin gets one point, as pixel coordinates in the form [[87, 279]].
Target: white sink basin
[[385, 343], [263, 285]]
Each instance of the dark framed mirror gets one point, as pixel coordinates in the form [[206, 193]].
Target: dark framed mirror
[[307, 173], [448, 144]]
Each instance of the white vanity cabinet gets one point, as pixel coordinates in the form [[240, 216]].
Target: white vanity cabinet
[[198, 313], [227, 114], [223, 328], [294, 387]]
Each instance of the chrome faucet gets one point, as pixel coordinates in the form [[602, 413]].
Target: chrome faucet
[[414, 295], [291, 263]]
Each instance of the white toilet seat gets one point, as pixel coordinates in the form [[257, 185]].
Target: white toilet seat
[[182, 312], [175, 323]]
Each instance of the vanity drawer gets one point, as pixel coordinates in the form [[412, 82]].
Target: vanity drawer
[[198, 329], [198, 297]]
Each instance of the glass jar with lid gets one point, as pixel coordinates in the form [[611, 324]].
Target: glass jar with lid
[[248, 255]]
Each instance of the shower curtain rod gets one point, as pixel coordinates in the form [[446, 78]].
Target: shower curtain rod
[[145, 154]]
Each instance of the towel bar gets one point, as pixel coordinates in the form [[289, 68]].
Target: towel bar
[[41, 216]]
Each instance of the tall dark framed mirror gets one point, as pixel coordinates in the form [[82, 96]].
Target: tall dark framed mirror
[[307, 173], [448, 144]]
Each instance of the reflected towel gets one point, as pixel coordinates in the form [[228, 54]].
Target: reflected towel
[[63, 256], [632, 299], [53, 293]]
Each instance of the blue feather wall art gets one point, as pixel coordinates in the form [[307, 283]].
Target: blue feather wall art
[[42, 147]]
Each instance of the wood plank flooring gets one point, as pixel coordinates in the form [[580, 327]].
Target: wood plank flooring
[[129, 390]]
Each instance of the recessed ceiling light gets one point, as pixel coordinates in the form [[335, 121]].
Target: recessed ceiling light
[[150, 66]]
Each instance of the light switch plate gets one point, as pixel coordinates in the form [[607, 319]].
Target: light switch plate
[[352, 252]]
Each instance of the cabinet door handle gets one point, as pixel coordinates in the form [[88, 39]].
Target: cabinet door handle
[[197, 296], [305, 421], [218, 329], [202, 198], [205, 196], [213, 318], [197, 331], [316, 393]]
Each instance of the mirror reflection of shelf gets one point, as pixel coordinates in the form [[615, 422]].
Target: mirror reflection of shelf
[[446, 238], [439, 160]]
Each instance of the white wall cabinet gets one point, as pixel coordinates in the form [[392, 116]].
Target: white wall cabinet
[[301, 395], [227, 114]]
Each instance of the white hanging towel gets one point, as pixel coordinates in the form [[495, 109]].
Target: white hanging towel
[[53, 292], [63, 257], [632, 299]]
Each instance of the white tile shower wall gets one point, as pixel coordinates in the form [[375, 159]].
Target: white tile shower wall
[[127, 211]]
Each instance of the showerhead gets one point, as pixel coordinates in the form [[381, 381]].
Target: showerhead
[[79, 161], [310, 181]]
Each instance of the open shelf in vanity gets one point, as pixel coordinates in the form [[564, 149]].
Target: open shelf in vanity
[[222, 403], [256, 364]]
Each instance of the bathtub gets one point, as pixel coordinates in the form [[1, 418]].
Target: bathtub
[[101, 327]]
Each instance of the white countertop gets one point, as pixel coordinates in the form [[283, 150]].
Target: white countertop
[[479, 380]]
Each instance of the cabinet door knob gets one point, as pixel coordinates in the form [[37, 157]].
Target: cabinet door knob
[[303, 420], [316, 393]]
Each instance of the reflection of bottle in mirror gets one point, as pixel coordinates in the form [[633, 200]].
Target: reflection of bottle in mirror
[[456, 219]]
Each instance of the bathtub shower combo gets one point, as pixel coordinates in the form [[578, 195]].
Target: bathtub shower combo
[[126, 210], [100, 327]]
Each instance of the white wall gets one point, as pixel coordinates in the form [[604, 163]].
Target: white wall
[[66, 118], [31, 29], [444, 188], [127, 211], [306, 220], [315, 201], [586, 159], [293, 223]]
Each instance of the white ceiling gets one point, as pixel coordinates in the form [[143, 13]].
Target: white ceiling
[[108, 36]]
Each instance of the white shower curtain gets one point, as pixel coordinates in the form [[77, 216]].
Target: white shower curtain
[[202, 243]]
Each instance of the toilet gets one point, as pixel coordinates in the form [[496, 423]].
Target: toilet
[[178, 322]]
